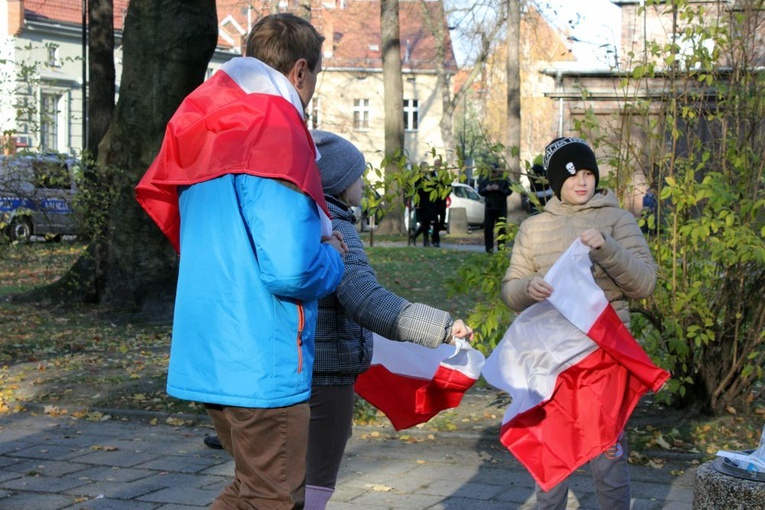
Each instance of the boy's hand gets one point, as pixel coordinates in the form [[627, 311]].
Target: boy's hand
[[593, 239], [460, 330], [538, 289], [336, 241]]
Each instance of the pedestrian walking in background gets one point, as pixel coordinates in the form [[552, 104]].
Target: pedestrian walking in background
[[428, 206], [237, 190], [441, 203], [495, 188], [622, 266]]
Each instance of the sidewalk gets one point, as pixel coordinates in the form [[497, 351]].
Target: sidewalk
[[126, 463]]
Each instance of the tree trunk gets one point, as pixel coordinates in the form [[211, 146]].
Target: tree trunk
[[166, 48], [513, 144], [394, 118], [487, 35], [94, 189], [100, 70], [436, 25]]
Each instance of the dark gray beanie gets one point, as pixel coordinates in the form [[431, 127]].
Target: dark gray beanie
[[564, 157], [340, 164]]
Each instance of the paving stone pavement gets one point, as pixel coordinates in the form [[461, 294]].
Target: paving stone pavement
[[126, 463]]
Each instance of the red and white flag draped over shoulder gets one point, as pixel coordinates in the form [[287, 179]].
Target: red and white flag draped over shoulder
[[246, 119], [411, 383], [574, 371]]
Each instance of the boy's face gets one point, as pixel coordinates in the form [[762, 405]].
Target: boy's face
[[355, 192], [578, 188]]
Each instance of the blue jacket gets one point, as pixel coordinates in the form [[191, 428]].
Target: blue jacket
[[252, 268]]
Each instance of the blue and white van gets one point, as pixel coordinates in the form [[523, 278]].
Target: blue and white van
[[37, 192]]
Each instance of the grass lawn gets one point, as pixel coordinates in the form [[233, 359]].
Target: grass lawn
[[75, 355]]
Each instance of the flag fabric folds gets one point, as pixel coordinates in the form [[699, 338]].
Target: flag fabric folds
[[246, 119], [574, 371], [411, 383]]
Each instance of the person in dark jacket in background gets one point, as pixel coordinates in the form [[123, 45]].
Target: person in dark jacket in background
[[495, 188], [539, 187], [440, 201], [427, 208]]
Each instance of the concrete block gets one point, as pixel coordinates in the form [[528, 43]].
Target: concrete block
[[713, 490], [458, 223]]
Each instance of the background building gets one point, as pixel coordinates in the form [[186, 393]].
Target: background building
[[43, 75]]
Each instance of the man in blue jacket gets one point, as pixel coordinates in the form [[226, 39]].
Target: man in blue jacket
[[236, 189]]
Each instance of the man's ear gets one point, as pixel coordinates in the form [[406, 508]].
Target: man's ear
[[298, 72]]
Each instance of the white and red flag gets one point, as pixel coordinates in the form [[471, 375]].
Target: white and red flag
[[246, 119], [574, 371], [411, 383]]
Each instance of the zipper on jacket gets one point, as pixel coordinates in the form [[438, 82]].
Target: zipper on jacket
[[301, 325]]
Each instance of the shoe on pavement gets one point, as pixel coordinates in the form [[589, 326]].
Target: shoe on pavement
[[213, 442]]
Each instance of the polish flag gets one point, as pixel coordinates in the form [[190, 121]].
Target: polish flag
[[574, 371], [246, 119], [411, 383]]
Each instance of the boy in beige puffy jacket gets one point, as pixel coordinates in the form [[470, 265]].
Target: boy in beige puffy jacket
[[622, 266]]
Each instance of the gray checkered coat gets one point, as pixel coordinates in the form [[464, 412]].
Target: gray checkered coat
[[360, 306]]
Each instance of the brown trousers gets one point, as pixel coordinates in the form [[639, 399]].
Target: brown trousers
[[269, 450]]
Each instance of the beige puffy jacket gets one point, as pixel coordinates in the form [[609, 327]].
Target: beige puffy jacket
[[623, 267]]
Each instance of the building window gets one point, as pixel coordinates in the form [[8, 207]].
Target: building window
[[53, 60], [411, 114], [312, 113], [49, 122], [361, 114]]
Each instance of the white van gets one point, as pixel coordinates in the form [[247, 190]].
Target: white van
[[36, 196]]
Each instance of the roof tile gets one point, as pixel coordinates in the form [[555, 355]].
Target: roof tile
[[68, 11]]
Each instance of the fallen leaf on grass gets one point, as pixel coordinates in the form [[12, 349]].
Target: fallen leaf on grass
[[96, 416], [82, 413], [54, 411], [176, 422]]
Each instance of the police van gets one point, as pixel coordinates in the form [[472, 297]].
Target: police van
[[37, 192]]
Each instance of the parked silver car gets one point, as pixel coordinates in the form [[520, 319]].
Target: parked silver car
[[36, 196]]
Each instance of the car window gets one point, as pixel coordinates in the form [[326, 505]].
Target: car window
[[459, 191], [51, 174], [471, 194]]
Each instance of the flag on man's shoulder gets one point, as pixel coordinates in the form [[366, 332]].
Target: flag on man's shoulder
[[574, 371], [411, 383]]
